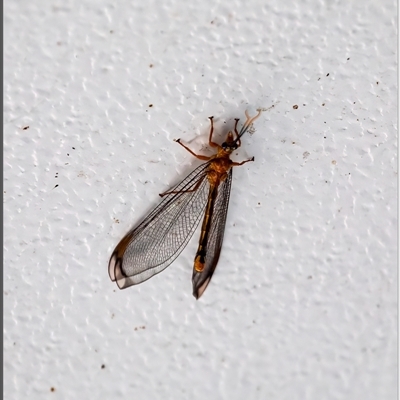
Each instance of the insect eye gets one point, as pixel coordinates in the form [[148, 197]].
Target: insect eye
[[231, 146]]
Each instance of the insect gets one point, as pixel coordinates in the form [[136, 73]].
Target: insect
[[151, 246]]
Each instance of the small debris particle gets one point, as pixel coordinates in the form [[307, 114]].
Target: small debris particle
[[306, 154], [334, 162], [323, 104], [151, 65], [52, 389], [103, 366], [150, 105], [25, 127], [295, 107], [327, 74], [140, 327]]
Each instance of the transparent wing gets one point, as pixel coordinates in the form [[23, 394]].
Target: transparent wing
[[201, 279], [154, 244]]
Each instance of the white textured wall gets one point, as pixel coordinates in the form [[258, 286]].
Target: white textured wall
[[303, 302]]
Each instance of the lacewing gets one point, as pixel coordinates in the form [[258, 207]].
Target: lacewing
[[151, 246]]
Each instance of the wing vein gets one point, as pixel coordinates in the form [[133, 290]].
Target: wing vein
[[154, 244]]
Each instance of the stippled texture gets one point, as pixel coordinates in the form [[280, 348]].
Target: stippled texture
[[303, 302]]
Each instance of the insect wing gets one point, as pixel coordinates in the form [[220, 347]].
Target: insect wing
[[154, 244], [201, 279]]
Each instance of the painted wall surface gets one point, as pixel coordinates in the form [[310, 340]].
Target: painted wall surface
[[303, 304]]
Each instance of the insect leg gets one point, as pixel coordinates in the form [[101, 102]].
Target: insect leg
[[199, 156], [236, 164], [183, 191], [210, 142]]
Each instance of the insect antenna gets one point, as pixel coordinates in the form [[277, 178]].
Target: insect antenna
[[247, 124]]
